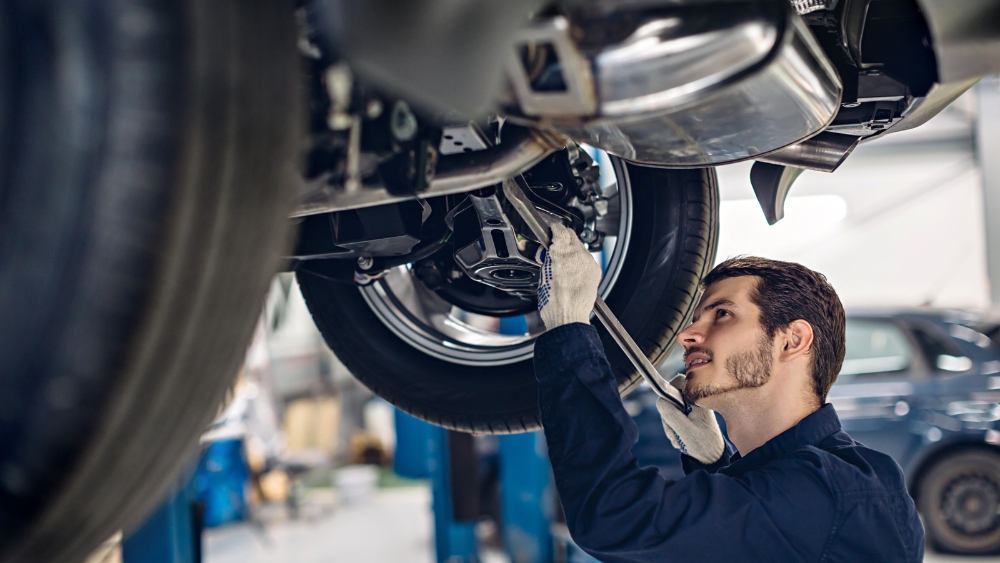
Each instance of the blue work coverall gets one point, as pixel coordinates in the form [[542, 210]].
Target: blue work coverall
[[809, 494]]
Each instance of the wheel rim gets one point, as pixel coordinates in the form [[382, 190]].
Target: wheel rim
[[424, 320], [970, 505]]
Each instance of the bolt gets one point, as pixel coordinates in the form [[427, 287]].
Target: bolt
[[338, 121], [373, 109], [365, 262], [588, 236], [402, 123], [339, 83]]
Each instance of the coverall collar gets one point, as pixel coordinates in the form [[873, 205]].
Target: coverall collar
[[810, 431]]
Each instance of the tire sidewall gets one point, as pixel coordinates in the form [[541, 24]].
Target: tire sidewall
[[674, 239], [163, 179]]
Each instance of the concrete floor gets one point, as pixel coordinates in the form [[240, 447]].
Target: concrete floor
[[393, 525]]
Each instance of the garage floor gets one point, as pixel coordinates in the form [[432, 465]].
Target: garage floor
[[393, 525]]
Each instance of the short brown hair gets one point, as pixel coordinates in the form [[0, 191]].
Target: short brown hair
[[786, 292]]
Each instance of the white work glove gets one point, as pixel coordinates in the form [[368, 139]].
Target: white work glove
[[697, 433], [570, 276]]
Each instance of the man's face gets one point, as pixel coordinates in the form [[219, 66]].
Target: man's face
[[725, 348]]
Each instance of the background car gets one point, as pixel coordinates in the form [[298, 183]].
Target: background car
[[921, 385]]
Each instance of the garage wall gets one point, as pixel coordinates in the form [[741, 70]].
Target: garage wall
[[900, 223]]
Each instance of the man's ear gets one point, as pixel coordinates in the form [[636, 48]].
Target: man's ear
[[796, 340]]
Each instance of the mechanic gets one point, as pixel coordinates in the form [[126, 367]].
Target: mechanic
[[765, 345]]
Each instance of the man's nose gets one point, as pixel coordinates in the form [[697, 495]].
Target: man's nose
[[690, 336]]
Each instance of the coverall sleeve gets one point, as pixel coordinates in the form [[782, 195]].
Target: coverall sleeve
[[619, 512], [690, 464]]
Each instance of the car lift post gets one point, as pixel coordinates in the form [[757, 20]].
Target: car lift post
[[172, 534], [527, 497], [987, 153], [424, 451]]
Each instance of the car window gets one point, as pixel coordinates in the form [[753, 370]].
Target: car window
[[874, 348], [971, 336], [941, 354]]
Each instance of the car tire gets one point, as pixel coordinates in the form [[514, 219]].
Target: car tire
[[671, 247], [148, 161], [959, 499]]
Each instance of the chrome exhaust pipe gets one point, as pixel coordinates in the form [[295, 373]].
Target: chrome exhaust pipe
[[824, 152], [520, 150]]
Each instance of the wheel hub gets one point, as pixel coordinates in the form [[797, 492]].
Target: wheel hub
[[971, 505], [503, 255], [458, 318]]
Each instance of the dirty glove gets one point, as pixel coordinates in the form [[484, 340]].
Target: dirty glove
[[697, 433], [570, 276]]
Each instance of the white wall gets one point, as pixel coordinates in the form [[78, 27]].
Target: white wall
[[900, 223]]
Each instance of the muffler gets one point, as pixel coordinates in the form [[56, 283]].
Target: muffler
[[688, 86]]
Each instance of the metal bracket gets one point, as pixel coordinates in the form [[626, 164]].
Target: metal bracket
[[771, 183], [577, 96], [496, 258]]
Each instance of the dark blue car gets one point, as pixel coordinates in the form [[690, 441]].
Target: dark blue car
[[921, 385]]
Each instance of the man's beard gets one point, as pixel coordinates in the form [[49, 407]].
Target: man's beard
[[749, 368]]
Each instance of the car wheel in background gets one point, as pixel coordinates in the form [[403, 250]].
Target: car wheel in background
[[959, 499], [419, 356], [148, 159]]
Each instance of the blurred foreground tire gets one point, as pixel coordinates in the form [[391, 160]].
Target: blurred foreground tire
[[147, 165], [959, 498]]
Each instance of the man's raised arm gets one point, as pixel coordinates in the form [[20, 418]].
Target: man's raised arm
[[614, 509]]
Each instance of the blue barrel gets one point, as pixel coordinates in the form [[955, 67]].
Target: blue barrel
[[221, 481]]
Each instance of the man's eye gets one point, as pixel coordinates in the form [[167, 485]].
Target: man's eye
[[721, 313]]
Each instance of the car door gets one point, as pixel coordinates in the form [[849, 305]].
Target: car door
[[964, 402], [882, 377]]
